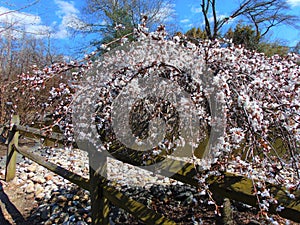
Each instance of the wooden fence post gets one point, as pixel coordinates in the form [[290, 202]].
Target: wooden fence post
[[226, 213], [11, 156], [99, 203]]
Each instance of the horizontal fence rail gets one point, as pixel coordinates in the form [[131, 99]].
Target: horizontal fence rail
[[226, 185]]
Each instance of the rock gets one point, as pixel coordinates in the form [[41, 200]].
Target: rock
[[76, 203], [54, 216], [38, 179], [55, 209], [29, 188], [166, 180], [51, 187], [184, 195], [2, 172], [82, 211], [23, 176], [72, 218], [63, 217], [72, 209], [64, 164], [89, 220], [58, 182], [76, 197], [30, 175], [86, 197], [30, 196], [38, 189], [49, 182], [39, 196], [81, 223], [47, 195], [48, 222], [69, 196], [17, 181], [32, 168], [45, 213], [48, 177], [61, 198]]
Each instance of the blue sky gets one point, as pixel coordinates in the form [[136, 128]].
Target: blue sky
[[51, 18]]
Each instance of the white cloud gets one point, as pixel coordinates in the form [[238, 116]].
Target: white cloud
[[10, 16], [15, 23], [164, 14], [294, 3], [196, 9], [185, 21], [65, 8], [68, 14], [103, 23], [43, 30], [190, 25]]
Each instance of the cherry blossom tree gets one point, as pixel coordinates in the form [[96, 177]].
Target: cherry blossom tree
[[257, 97]]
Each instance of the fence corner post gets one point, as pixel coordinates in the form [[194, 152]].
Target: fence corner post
[[11, 156], [99, 203], [226, 217]]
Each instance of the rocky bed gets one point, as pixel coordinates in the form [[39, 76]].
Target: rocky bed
[[57, 201]]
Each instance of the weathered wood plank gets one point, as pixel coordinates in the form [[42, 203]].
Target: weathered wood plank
[[72, 177], [241, 189], [38, 133], [137, 209]]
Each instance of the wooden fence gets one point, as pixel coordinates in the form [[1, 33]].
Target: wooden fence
[[224, 186]]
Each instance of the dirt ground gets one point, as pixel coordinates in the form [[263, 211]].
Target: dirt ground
[[15, 206]]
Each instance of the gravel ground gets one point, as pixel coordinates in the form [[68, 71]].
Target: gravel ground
[[49, 199]]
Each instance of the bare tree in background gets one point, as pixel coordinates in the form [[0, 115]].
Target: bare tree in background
[[262, 14], [296, 48], [5, 28], [21, 49], [103, 16]]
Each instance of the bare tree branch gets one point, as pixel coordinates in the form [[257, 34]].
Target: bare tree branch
[[205, 7], [20, 9], [10, 26], [112, 19], [262, 14]]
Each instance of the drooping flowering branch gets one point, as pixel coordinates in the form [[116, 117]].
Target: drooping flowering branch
[[258, 96]]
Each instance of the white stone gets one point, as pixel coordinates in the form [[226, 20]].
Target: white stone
[[49, 182], [39, 179], [38, 188], [29, 188], [30, 175], [40, 196], [23, 176], [32, 168]]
